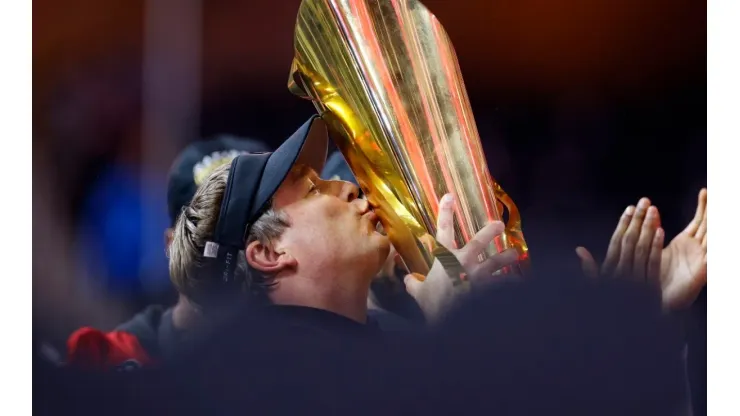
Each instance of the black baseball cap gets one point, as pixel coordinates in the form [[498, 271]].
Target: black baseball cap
[[253, 180], [196, 162]]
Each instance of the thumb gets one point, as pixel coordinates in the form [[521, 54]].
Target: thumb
[[413, 284], [588, 264]]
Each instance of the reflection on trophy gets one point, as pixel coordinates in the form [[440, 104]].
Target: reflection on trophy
[[385, 78]]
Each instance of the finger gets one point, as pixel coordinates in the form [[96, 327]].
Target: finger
[[428, 242], [645, 243], [468, 255], [615, 245], [588, 264], [701, 233], [631, 236], [413, 284], [389, 266], [445, 222], [656, 253], [493, 264], [700, 213], [704, 243]]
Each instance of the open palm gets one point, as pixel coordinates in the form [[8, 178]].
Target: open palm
[[683, 271]]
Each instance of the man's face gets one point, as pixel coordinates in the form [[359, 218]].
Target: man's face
[[330, 227]]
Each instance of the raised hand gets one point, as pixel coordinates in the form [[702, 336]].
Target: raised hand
[[635, 248], [437, 291], [680, 268], [683, 271]]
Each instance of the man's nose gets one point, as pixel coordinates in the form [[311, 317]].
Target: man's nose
[[349, 191]]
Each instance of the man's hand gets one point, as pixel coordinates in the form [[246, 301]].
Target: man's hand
[[635, 248], [683, 271], [437, 292], [388, 271]]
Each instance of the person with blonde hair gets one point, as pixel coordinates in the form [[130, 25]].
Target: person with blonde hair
[[152, 334]]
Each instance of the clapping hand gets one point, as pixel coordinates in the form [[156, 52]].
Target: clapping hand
[[635, 247], [636, 251], [683, 271]]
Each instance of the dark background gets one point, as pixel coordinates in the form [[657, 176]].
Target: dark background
[[583, 106]]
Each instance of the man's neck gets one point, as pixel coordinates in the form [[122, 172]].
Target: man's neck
[[299, 291]]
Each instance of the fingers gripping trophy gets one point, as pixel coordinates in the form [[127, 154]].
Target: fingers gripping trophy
[[384, 76]]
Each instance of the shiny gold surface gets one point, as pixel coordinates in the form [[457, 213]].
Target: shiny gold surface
[[384, 76]]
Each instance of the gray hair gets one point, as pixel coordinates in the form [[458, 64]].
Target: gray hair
[[196, 226]]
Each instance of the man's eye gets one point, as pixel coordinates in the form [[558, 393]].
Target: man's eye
[[313, 189]]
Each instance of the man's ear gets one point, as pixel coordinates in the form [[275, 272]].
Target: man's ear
[[168, 234], [267, 259]]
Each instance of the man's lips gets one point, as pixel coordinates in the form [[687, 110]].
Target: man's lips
[[372, 217]]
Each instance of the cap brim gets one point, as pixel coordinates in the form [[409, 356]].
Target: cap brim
[[308, 145]]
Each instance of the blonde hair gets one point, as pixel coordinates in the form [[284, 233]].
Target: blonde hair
[[196, 225]]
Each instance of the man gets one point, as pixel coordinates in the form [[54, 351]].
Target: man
[[151, 334], [308, 245]]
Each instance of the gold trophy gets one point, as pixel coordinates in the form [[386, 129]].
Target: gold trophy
[[384, 76]]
